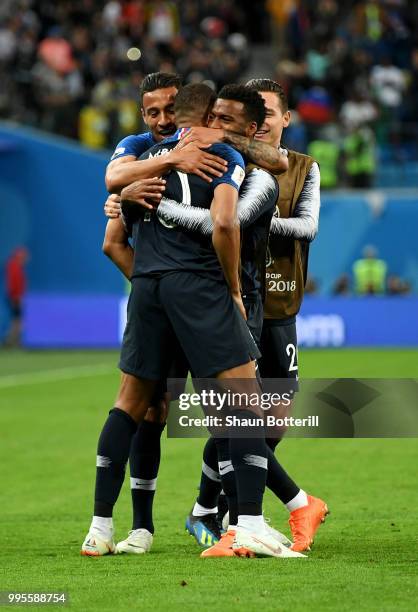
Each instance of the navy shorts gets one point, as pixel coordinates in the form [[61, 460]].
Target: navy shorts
[[279, 350], [188, 311], [255, 313]]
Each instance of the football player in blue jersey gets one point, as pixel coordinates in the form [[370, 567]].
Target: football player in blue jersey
[[156, 98], [157, 94], [291, 232], [162, 285], [156, 107], [145, 455]]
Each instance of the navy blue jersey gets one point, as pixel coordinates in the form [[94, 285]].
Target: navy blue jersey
[[256, 205], [135, 145], [164, 247]]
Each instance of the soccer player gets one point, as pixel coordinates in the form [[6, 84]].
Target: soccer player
[[156, 98], [253, 275], [294, 227], [173, 269], [298, 207], [145, 452], [157, 94]]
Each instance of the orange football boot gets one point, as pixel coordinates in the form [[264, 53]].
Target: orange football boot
[[305, 521], [223, 548]]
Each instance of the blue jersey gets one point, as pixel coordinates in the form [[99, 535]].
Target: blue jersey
[[134, 145], [163, 248]]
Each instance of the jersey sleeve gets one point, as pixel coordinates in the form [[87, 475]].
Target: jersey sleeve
[[134, 145], [235, 173], [258, 196], [303, 225]]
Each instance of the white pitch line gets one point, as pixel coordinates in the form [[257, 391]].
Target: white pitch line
[[33, 378]]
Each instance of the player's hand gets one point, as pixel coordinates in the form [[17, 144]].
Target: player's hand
[[146, 192], [204, 136], [192, 159], [112, 206], [240, 304]]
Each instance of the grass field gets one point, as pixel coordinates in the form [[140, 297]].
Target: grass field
[[52, 406]]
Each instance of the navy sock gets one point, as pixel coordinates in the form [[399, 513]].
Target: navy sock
[[210, 481], [226, 472], [112, 455], [249, 459], [144, 461], [272, 443], [222, 505]]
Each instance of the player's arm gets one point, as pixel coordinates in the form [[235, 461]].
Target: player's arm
[[259, 193], [124, 167], [303, 225], [226, 237], [145, 193], [112, 207], [125, 170], [260, 153], [116, 246]]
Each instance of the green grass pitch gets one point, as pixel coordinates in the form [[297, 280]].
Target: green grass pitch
[[52, 406]]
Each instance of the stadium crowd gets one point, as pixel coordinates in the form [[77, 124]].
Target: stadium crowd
[[66, 66], [351, 73], [350, 69]]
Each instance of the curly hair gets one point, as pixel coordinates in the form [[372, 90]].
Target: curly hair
[[253, 103]]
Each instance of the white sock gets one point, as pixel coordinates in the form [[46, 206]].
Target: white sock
[[102, 525], [299, 501], [252, 523], [199, 510]]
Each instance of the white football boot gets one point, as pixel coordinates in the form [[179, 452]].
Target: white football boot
[[280, 537], [98, 545], [138, 542], [256, 544]]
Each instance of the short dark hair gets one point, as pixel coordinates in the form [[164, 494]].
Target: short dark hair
[[158, 80], [270, 85], [194, 98], [253, 103]]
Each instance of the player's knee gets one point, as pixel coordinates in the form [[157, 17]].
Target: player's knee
[[158, 413], [134, 396]]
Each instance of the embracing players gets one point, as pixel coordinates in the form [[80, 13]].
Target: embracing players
[[186, 289], [292, 229]]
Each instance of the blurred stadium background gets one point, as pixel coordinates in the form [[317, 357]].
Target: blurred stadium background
[[70, 73]]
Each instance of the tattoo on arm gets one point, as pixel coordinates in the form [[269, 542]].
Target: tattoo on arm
[[260, 153]]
